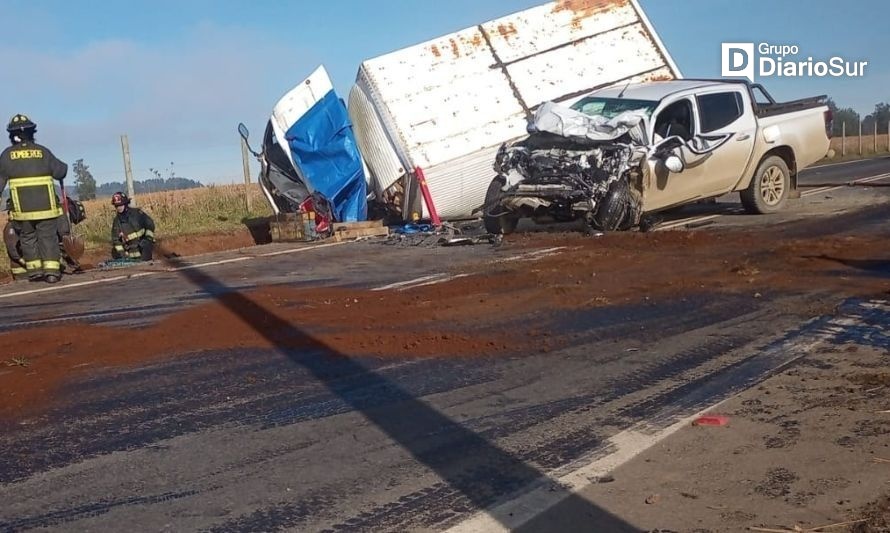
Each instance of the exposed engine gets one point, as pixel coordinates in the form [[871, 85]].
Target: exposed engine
[[548, 177]]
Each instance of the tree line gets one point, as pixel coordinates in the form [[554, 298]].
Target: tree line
[[849, 118], [87, 189]]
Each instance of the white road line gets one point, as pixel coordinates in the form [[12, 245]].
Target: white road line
[[80, 318], [703, 218], [844, 163], [621, 448], [297, 250], [848, 184], [434, 282], [399, 284], [76, 285], [441, 277], [687, 221], [536, 254], [65, 286], [212, 263]]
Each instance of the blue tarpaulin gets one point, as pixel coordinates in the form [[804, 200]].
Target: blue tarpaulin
[[324, 148]]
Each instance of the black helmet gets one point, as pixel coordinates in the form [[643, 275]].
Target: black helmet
[[19, 123], [119, 198]]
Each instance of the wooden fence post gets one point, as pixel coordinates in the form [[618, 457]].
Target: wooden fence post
[[246, 164]]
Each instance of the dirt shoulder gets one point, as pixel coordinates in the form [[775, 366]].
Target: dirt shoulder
[[181, 246], [807, 448]]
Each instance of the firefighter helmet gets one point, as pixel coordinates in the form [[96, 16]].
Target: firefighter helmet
[[119, 199], [20, 122]]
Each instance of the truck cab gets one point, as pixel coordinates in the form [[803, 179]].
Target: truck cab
[[723, 131]]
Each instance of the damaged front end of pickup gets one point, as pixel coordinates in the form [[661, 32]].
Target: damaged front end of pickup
[[571, 167]]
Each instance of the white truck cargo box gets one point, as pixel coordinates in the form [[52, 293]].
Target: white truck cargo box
[[447, 105]]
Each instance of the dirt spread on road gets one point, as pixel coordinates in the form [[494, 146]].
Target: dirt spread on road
[[483, 314], [803, 450]]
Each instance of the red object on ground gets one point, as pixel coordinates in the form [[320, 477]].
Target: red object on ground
[[322, 223], [427, 197], [711, 420]]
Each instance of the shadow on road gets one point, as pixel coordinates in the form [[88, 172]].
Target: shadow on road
[[875, 267], [482, 473]]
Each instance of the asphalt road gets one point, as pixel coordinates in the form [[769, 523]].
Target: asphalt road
[[264, 440]]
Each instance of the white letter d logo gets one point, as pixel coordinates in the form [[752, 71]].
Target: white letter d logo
[[738, 60]]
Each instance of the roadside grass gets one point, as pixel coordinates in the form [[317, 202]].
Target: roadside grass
[[852, 149], [208, 210]]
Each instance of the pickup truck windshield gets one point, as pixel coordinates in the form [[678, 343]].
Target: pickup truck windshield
[[612, 107]]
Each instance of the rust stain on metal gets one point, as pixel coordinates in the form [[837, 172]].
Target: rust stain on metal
[[582, 9], [507, 30], [435, 50], [475, 42], [661, 77], [455, 49]]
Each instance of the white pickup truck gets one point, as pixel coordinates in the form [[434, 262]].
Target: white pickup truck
[[623, 151]]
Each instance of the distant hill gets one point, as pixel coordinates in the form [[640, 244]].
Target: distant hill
[[149, 185]]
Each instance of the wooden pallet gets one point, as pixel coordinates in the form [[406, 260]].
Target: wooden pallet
[[353, 230], [287, 227]]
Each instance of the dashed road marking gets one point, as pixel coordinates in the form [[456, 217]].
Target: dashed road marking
[[442, 277], [531, 256], [408, 283]]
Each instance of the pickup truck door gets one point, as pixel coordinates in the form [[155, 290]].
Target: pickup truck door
[[725, 115], [673, 123], [715, 155]]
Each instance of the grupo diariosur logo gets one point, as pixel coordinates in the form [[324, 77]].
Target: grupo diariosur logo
[[785, 60]]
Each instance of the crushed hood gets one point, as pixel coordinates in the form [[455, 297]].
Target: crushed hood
[[566, 122]]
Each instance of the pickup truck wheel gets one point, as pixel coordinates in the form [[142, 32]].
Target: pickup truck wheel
[[502, 224], [768, 191]]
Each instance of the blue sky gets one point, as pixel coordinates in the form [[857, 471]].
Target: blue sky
[[177, 77]]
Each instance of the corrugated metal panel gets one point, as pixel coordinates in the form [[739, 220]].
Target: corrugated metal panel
[[615, 55], [555, 25], [374, 143], [447, 99], [458, 187], [444, 97]]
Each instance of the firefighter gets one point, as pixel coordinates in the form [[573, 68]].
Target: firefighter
[[132, 232], [11, 238], [31, 170]]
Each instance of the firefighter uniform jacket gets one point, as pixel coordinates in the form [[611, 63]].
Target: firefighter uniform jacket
[[129, 229], [30, 169]]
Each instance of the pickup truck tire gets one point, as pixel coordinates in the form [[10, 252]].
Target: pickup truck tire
[[613, 211], [503, 224], [768, 191]]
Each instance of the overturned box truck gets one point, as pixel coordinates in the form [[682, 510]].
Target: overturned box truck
[[443, 108]]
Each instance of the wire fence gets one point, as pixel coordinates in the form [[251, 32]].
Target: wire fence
[[861, 143]]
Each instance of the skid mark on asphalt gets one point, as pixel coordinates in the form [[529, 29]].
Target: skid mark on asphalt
[[626, 445], [55, 518]]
